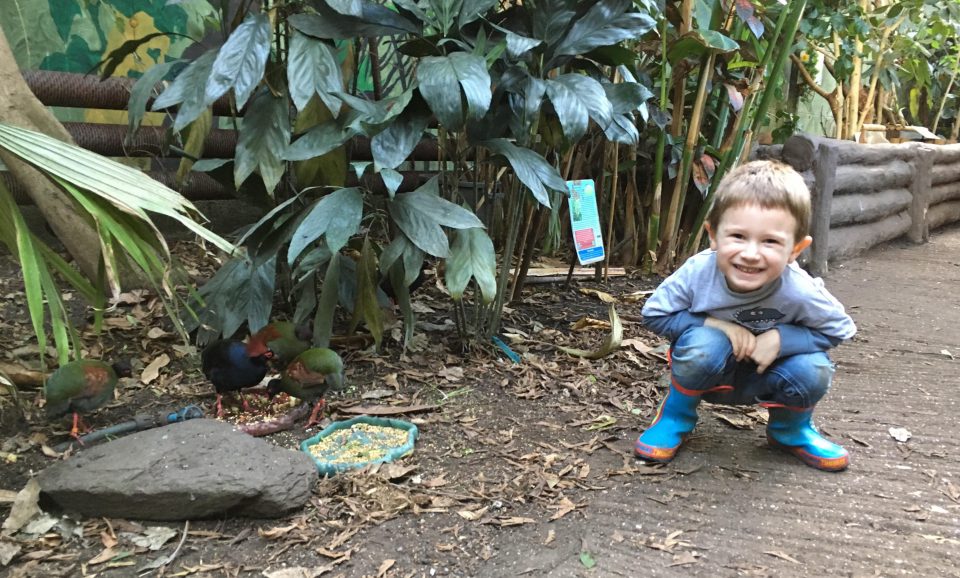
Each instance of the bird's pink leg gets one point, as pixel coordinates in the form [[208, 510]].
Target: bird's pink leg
[[313, 415], [75, 430], [219, 405], [243, 401]]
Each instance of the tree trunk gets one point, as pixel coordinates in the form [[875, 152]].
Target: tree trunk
[[19, 107]]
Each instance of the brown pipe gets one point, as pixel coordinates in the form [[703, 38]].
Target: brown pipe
[[150, 141], [74, 90]]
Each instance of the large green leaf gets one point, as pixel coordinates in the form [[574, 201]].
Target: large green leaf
[[324, 138], [312, 68], [264, 136], [142, 91], [626, 97], [420, 228], [440, 79], [472, 255], [420, 214], [401, 292], [696, 43], [327, 305], [375, 20], [241, 292], [124, 187], [518, 45], [532, 169], [241, 61], [367, 309], [622, 129], [426, 199], [336, 215], [577, 98], [473, 9], [346, 7], [605, 23], [19, 241], [402, 251], [718, 42], [394, 144], [551, 19], [188, 90]]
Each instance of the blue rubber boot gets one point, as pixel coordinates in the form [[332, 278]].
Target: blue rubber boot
[[676, 418], [792, 431]]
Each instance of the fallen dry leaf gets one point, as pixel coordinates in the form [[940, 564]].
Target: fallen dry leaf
[[472, 515], [8, 551], [298, 572], [107, 540], [585, 323], [25, 507], [106, 555], [157, 333], [384, 567], [783, 556], [515, 521], [387, 409], [152, 371], [605, 297]]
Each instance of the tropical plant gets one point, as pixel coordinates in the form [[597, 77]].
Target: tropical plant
[[504, 88], [117, 200]]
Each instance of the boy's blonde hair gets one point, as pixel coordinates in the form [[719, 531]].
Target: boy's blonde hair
[[768, 184]]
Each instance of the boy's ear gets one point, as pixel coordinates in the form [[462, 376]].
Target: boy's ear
[[712, 235], [799, 247]]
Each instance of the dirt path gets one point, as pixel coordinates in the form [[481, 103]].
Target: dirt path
[[736, 507]]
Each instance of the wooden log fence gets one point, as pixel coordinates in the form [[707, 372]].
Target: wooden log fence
[[867, 194]]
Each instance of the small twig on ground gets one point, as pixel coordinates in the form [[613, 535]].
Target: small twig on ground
[[169, 559]]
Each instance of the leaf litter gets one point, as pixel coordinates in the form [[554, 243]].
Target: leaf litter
[[502, 445]]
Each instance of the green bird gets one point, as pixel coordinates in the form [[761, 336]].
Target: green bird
[[285, 339], [309, 376], [82, 386]]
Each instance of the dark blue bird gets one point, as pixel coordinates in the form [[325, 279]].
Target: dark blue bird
[[232, 365]]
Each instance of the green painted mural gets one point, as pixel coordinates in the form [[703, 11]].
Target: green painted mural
[[77, 35]]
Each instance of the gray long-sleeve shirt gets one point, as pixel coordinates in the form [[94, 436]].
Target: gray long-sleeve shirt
[[807, 316]]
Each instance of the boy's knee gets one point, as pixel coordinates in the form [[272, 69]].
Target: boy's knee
[[700, 352], [805, 378]]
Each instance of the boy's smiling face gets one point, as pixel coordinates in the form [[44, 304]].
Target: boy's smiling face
[[754, 245]]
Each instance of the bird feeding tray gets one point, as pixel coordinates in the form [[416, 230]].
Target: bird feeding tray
[[266, 416], [358, 442]]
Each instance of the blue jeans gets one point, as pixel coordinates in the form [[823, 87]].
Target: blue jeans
[[702, 363]]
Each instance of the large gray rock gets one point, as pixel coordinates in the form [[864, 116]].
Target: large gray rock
[[195, 469]]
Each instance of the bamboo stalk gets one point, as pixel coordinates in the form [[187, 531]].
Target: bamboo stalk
[[653, 223], [614, 185]]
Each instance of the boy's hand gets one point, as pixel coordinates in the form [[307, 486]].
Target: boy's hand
[[767, 349], [742, 340]]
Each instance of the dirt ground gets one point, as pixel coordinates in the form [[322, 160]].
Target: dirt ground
[[526, 469]]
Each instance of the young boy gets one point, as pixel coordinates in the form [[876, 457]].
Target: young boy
[[746, 324]]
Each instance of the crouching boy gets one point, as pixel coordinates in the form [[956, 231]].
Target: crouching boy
[[746, 324]]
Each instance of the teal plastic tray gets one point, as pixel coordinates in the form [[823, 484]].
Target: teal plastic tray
[[328, 468]]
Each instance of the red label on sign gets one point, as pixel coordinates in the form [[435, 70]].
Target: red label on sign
[[584, 238]]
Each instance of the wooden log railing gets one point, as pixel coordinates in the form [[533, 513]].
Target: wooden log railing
[[864, 195]]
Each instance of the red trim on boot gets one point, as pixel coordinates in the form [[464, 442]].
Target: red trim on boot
[[699, 392], [656, 454], [825, 464], [773, 404]]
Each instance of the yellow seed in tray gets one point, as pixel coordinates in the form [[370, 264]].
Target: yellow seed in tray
[[361, 442]]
